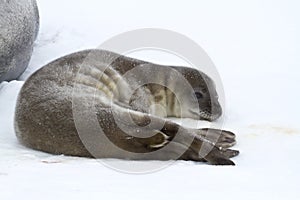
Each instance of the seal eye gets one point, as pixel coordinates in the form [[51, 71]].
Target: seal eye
[[198, 95]]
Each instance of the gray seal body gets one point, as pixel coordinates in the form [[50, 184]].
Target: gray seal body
[[60, 106], [19, 24]]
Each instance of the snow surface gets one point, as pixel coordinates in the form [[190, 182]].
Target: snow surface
[[255, 46]]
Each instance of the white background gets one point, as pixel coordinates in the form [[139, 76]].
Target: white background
[[255, 46]]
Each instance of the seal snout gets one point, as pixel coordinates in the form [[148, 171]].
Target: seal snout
[[216, 110], [212, 114]]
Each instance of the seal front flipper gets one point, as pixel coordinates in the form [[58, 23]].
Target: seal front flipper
[[174, 141], [221, 138], [216, 157], [206, 151]]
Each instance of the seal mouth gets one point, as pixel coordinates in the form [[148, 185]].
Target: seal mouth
[[205, 115]]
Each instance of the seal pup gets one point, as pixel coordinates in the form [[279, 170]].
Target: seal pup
[[19, 24], [54, 106]]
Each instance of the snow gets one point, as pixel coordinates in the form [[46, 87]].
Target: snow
[[255, 46]]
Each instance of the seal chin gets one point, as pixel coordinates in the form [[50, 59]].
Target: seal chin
[[204, 115], [209, 117]]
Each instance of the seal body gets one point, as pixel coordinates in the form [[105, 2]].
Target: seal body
[[19, 24], [82, 103]]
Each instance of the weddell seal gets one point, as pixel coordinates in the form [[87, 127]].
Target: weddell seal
[[59, 105], [19, 24]]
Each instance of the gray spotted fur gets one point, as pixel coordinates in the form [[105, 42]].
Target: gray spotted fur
[[19, 24]]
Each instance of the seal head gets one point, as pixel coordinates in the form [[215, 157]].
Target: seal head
[[204, 93]]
